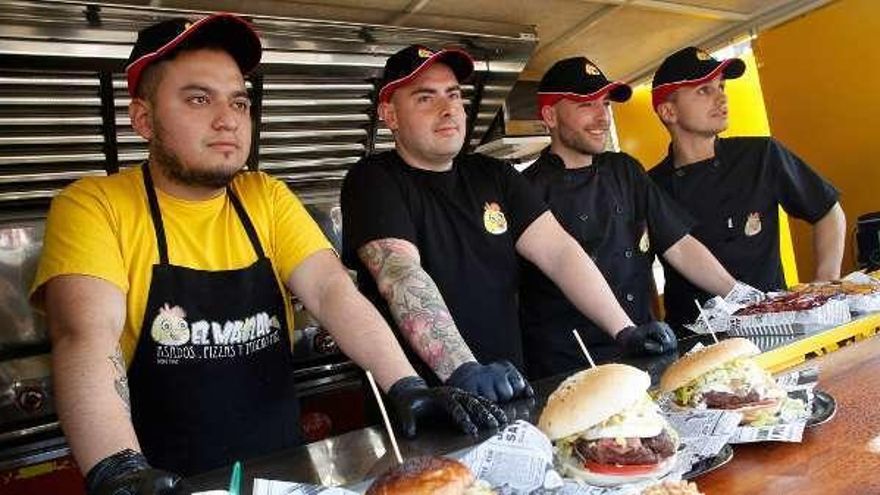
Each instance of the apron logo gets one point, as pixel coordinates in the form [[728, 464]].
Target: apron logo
[[493, 219], [753, 224], [644, 241], [170, 326], [702, 55], [424, 53]]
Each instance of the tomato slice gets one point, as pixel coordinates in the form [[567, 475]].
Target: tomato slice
[[620, 469]]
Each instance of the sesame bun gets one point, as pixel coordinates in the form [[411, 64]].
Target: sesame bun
[[691, 366], [591, 396], [417, 475]]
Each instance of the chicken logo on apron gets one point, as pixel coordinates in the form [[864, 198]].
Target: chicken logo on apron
[[753, 224], [170, 326], [494, 219]]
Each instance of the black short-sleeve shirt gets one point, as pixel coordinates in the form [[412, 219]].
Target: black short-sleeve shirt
[[465, 223], [620, 218], [734, 198]]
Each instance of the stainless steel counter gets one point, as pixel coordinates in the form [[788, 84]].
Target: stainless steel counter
[[352, 457]]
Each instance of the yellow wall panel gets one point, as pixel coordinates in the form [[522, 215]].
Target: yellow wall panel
[[820, 75]]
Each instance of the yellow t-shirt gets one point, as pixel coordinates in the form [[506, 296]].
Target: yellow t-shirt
[[101, 226]]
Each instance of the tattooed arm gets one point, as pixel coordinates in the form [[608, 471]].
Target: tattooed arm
[[85, 317], [416, 304]]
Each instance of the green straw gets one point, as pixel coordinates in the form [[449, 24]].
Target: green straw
[[235, 479]]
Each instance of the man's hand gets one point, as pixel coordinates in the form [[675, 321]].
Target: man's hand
[[744, 294], [648, 338], [413, 402], [127, 473], [499, 381]]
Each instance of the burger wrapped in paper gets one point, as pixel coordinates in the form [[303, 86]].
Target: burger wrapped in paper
[[438, 475], [606, 428], [723, 376]]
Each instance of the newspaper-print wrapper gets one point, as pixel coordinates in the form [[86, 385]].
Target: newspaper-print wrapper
[[863, 303], [834, 312], [799, 385], [274, 487], [721, 318]]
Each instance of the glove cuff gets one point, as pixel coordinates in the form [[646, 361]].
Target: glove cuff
[[122, 462], [461, 373], [406, 384], [623, 336]]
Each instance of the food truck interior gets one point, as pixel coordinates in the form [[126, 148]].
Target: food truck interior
[[63, 116]]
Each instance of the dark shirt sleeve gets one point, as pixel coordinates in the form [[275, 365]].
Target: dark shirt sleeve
[[373, 207], [800, 190], [524, 201], [667, 221]]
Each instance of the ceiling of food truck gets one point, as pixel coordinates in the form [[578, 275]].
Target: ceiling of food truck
[[627, 38]]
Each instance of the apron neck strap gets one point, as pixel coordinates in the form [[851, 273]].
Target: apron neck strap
[[159, 226]]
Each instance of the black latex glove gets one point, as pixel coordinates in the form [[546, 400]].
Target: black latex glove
[[127, 473], [413, 401], [654, 337], [499, 381]]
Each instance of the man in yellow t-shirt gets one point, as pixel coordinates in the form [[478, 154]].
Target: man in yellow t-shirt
[[164, 285]]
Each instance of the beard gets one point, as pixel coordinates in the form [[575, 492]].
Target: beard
[[214, 177], [575, 141]]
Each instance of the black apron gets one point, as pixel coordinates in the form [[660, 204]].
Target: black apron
[[211, 380]]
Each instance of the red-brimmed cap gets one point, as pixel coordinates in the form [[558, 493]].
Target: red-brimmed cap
[[578, 79], [406, 65], [156, 42], [690, 66]]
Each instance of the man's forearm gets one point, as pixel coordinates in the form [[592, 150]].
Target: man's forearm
[[829, 237], [417, 306], [91, 398], [362, 333], [585, 286], [693, 260]]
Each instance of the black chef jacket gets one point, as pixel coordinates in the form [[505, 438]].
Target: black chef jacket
[[621, 219], [734, 198], [465, 223]]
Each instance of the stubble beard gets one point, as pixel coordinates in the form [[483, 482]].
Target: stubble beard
[[214, 177], [574, 141]]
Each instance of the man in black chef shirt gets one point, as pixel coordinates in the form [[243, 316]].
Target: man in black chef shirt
[[610, 206], [733, 186], [434, 236]]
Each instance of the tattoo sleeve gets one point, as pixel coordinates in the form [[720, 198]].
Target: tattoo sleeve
[[120, 377], [416, 304]]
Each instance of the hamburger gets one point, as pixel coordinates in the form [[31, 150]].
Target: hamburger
[[723, 376], [437, 475], [606, 429]]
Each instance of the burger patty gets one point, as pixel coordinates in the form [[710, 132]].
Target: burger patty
[[634, 451], [727, 400]]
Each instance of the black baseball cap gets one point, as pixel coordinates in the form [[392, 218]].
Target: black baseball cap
[[689, 67], [156, 42], [578, 79], [405, 65]]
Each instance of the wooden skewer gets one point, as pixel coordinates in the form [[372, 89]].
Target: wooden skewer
[[706, 320], [577, 336], [385, 417]]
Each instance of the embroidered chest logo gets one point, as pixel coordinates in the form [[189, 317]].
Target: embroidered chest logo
[[644, 241], [493, 219], [753, 224]]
